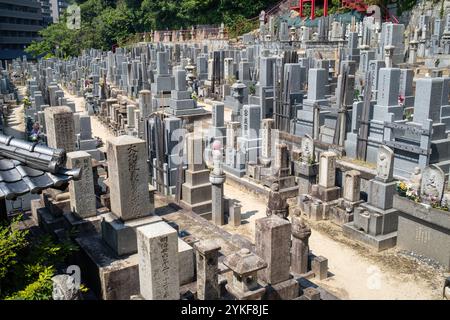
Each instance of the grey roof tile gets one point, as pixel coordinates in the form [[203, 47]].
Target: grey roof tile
[[29, 167]]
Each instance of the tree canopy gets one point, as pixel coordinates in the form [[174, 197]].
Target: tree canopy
[[105, 23], [28, 263]]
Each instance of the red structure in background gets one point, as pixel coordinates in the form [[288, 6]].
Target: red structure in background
[[362, 7], [299, 8], [357, 5]]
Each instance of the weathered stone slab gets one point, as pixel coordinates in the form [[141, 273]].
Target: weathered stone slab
[[272, 238], [186, 262], [121, 236], [207, 253], [158, 262], [82, 193], [128, 177], [423, 230], [109, 277], [60, 128]]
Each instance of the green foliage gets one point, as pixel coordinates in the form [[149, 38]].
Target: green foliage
[[405, 5], [40, 289], [241, 26], [26, 102], [251, 89], [194, 96], [105, 23], [57, 40], [12, 241], [28, 264], [334, 7]]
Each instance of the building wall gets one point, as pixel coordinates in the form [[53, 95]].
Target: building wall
[[20, 21], [58, 8], [46, 9]]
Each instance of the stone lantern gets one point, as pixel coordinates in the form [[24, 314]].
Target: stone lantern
[[245, 265]]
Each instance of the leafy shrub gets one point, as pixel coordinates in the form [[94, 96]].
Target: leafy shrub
[[27, 263]]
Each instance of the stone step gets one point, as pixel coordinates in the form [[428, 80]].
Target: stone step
[[202, 207], [196, 194], [445, 111]]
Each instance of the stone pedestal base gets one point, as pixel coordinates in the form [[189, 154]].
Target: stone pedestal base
[[91, 225], [234, 171], [326, 194], [249, 295], [314, 208], [197, 187], [121, 236], [109, 277], [49, 222], [254, 171], [375, 221], [380, 242], [286, 290], [373, 226], [344, 212]]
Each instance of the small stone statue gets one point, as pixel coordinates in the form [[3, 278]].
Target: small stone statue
[[416, 179], [384, 163], [307, 147], [430, 186], [262, 16], [300, 230], [445, 203], [65, 288], [300, 247], [277, 204], [217, 158]]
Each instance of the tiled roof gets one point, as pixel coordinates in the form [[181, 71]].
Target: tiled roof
[[30, 167]]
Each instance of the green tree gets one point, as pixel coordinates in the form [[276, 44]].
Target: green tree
[[57, 39], [105, 23], [28, 263]]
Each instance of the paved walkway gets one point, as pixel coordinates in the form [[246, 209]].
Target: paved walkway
[[15, 125], [98, 128]]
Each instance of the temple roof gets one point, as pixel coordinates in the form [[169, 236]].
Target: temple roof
[[30, 167]]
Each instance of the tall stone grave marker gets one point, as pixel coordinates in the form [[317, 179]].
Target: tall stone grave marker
[[375, 222], [60, 128], [272, 239], [207, 256], [128, 177], [158, 262], [82, 193]]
